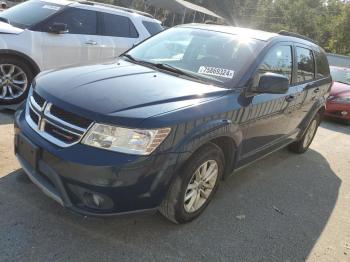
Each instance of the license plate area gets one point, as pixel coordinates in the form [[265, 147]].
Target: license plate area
[[28, 151]]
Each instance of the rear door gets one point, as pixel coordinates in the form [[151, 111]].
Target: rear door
[[305, 85], [79, 45], [118, 34]]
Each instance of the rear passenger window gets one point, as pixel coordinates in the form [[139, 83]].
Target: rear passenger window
[[321, 65], [118, 26], [279, 61], [306, 65]]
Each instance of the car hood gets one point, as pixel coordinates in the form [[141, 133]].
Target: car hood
[[340, 89], [9, 29], [121, 92]]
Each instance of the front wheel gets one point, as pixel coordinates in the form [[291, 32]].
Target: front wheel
[[15, 79], [195, 186], [304, 143]]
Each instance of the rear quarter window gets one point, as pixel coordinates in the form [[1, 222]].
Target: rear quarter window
[[152, 27], [321, 65]]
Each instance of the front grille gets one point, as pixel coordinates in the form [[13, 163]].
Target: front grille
[[58, 126], [38, 99], [34, 117], [59, 133], [69, 117]]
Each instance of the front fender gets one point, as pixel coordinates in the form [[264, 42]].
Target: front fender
[[203, 133]]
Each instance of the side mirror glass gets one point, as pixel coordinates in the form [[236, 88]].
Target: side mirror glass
[[58, 28], [271, 83]]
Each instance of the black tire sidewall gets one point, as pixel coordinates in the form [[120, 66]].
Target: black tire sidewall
[[209, 152], [29, 73], [317, 118]]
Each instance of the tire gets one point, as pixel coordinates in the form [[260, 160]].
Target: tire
[[18, 81], [174, 207], [304, 143]]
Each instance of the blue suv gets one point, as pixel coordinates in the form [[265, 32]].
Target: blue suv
[[161, 126]]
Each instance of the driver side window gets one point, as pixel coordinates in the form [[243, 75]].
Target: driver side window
[[279, 61], [78, 21]]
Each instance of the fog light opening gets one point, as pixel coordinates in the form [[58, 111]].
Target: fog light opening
[[93, 200], [98, 201]]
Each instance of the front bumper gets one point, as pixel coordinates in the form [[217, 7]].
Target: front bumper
[[337, 110], [78, 177]]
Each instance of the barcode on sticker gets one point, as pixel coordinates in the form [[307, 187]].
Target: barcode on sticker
[[214, 71]]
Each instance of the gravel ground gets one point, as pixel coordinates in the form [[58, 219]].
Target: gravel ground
[[286, 207]]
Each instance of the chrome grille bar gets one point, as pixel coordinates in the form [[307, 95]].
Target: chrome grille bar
[[61, 127]]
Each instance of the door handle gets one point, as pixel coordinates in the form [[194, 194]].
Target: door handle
[[290, 98], [91, 42], [317, 90]]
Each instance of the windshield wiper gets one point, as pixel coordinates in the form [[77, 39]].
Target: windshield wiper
[[174, 69], [129, 57], [181, 72], [170, 68]]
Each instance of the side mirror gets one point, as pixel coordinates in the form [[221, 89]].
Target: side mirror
[[58, 28], [271, 83]]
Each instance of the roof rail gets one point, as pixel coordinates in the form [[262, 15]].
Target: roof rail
[[129, 10], [286, 33]]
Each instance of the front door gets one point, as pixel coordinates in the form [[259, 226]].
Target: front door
[[269, 112], [79, 45]]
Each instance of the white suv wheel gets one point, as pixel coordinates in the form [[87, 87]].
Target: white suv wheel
[[13, 81]]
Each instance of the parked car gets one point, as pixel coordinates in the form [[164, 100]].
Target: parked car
[[338, 60], [41, 35], [143, 133], [338, 104]]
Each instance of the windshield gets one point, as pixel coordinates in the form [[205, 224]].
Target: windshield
[[340, 75], [29, 13], [209, 55]]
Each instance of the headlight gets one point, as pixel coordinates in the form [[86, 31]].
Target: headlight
[[343, 100], [124, 140]]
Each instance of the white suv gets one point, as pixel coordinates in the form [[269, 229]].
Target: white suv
[[40, 35]]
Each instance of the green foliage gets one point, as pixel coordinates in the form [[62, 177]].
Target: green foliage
[[326, 21]]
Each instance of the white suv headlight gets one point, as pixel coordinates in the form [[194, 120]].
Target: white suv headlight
[[124, 140]]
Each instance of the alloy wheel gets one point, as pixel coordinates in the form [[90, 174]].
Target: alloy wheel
[[201, 186], [13, 81]]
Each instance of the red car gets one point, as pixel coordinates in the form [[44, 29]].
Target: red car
[[338, 104]]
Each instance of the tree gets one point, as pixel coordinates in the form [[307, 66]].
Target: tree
[[326, 21]]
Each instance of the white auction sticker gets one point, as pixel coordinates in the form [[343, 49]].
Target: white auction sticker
[[214, 71]]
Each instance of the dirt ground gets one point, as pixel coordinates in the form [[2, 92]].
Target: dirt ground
[[286, 207]]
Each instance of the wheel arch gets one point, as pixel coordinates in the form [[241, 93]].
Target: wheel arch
[[29, 61], [223, 133], [319, 108]]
